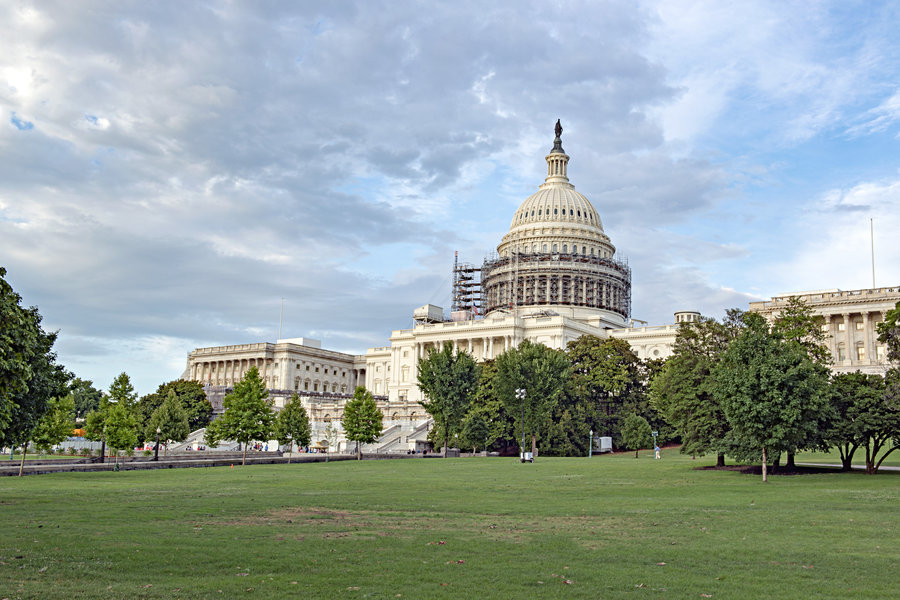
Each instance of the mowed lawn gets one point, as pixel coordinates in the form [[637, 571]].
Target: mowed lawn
[[608, 527]]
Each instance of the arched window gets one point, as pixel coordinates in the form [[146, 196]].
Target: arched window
[[579, 213], [555, 211], [583, 250], [532, 213], [539, 212], [570, 212], [545, 247], [554, 248], [565, 248]]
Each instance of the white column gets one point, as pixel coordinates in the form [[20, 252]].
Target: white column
[[867, 339], [847, 338]]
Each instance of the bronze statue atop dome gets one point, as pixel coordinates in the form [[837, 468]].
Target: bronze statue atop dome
[[557, 142]]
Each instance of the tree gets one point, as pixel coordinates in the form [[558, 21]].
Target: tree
[[120, 428], [854, 398], [85, 396], [606, 383], [362, 419], [448, 381], [54, 426], [475, 431], [170, 419], [121, 391], [683, 392], [771, 391], [248, 414], [191, 396], [488, 405], [889, 333], [292, 425], [797, 323], [635, 432], [542, 373], [29, 374]]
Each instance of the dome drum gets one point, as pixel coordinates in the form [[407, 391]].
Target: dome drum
[[548, 280]]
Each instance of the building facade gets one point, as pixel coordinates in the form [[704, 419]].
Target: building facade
[[850, 320]]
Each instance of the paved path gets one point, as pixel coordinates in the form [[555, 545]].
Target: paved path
[[854, 467]]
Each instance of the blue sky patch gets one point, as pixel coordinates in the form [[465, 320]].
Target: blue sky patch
[[21, 124]]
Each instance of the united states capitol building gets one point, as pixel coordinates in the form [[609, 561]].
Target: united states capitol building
[[554, 278]]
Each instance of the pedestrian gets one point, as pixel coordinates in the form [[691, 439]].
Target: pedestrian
[[656, 449]]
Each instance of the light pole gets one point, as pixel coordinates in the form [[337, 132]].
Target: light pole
[[591, 444], [156, 450], [520, 394]]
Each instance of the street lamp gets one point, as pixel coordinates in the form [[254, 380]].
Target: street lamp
[[156, 451], [591, 444], [520, 394]]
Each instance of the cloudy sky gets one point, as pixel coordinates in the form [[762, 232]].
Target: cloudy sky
[[169, 171]]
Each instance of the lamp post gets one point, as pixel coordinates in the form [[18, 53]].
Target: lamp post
[[520, 394], [156, 450], [591, 444]]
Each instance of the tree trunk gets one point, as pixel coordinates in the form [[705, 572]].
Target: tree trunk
[[636, 453], [533, 446], [790, 461], [444, 450], [243, 453], [358, 452], [22, 464], [720, 460], [103, 450], [764, 466]]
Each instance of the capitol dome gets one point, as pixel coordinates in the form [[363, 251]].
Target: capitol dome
[[556, 255]]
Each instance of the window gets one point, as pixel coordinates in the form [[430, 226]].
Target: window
[[583, 250], [842, 327], [317, 369], [555, 211], [404, 374], [545, 247], [825, 327], [326, 371], [565, 248], [879, 353], [316, 386], [307, 367], [860, 353], [859, 325], [579, 213], [842, 353], [405, 353], [554, 247], [539, 212], [306, 385], [570, 212]]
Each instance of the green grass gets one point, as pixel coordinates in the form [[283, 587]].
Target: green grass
[[614, 527]]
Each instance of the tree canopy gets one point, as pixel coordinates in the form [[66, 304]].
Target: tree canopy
[[29, 374], [171, 420], [292, 424], [248, 414], [636, 432], [683, 389], [770, 390], [889, 334], [448, 380], [542, 373], [362, 420]]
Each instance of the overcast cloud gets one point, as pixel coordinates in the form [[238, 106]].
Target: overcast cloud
[[170, 171]]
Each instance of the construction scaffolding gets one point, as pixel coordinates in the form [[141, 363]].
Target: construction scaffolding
[[552, 279], [466, 287]]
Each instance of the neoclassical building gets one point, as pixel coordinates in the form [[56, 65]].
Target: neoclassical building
[[850, 319], [554, 278]]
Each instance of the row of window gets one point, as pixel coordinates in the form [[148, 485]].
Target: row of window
[[333, 371], [555, 249], [540, 212]]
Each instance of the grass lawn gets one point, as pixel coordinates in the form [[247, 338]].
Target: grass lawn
[[609, 527], [859, 458]]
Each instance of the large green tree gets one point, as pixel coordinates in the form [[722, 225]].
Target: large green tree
[[683, 390], [29, 374], [292, 425], [448, 380], [606, 383], [771, 391], [170, 419], [855, 399], [248, 414], [121, 391], [475, 431], [543, 374], [362, 419]]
